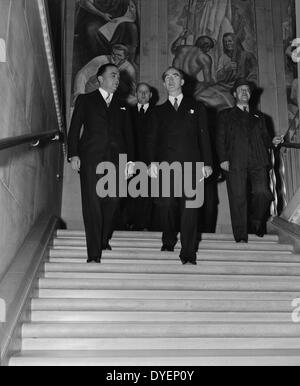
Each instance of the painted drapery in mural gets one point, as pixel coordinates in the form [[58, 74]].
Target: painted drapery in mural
[[291, 68], [107, 31], [214, 43]]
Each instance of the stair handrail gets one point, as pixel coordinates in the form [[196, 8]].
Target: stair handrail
[[34, 139]]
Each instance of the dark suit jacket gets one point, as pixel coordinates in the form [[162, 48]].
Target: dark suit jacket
[[107, 132], [235, 131], [179, 136], [141, 128]]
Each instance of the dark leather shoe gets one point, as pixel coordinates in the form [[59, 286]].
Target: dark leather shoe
[[107, 248], [192, 262], [184, 261], [94, 260], [165, 248]]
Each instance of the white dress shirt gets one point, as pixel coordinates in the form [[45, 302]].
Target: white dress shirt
[[146, 107], [242, 107], [105, 95], [179, 99]]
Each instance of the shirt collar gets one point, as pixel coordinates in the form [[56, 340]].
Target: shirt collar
[[241, 107], [105, 94], [179, 99], [146, 106]]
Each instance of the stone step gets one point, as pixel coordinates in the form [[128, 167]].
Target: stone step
[[203, 246], [50, 293], [73, 270], [143, 255], [167, 305], [116, 344], [172, 317], [156, 359], [158, 235], [204, 283], [160, 330], [173, 260], [119, 242]]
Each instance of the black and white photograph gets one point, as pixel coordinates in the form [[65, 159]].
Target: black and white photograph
[[149, 186]]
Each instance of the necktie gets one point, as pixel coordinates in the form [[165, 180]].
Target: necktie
[[176, 106], [245, 110], [142, 111], [107, 100]]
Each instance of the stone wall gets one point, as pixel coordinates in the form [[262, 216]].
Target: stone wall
[[28, 184]]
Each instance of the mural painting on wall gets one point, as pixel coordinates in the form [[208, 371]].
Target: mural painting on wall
[[214, 43], [291, 68], [106, 31]]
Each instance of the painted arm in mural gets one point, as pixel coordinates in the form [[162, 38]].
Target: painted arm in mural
[[180, 41], [89, 6]]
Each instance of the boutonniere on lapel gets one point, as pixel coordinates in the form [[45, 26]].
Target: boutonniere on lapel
[[256, 116], [192, 112], [123, 108]]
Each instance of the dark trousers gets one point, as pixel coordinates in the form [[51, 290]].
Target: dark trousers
[[98, 213], [139, 212], [260, 199], [174, 217]]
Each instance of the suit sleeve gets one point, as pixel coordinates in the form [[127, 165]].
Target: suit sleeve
[[221, 138], [152, 137], [75, 128], [204, 137], [264, 133]]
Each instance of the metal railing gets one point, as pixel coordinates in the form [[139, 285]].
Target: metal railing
[[35, 140], [285, 176]]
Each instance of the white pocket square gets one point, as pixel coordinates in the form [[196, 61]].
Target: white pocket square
[[192, 111], [123, 108]]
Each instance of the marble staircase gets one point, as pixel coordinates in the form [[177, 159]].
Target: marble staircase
[[142, 307]]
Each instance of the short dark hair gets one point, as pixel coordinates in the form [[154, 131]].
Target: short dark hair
[[172, 68], [198, 42], [103, 68], [143, 84]]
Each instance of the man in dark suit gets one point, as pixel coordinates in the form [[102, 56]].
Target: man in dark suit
[[243, 143], [140, 209], [106, 134], [179, 134]]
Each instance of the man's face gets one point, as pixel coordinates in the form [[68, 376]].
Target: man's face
[[173, 81], [229, 43], [118, 57], [143, 94], [243, 94], [110, 80]]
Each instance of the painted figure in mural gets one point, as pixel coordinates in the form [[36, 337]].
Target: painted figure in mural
[[243, 144], [194, 61], [86, 79], [102, 24], [236, 62], [228, 24]]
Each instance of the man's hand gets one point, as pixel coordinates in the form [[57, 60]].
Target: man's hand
[[225, 166], [207, 171], [278, 140], [153, 171], [129, 171], [76, 164]]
